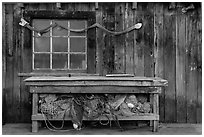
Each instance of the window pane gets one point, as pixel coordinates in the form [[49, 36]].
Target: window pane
[[77, 44], [59, 31], [76, 24], [59, 61], [77, 61], [60, 44], [41, 24], [41, 61], [41, 44]]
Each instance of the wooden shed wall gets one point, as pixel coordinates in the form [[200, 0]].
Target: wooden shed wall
[[168, 46]]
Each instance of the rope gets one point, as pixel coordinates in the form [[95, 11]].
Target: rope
[[96, 25], [55, 128]]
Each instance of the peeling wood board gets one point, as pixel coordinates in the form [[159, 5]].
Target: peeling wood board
[[149, 41], [120, 43], [158, 53], [169, 67], [9, 63], [93, 89], [129, 59], [199, 69], [180, 68], [17, 64], [191, 69], [139, 44]]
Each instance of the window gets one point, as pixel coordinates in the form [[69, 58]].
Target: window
[[59, 48]]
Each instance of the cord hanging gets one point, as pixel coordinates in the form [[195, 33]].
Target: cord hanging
[[24, 23]]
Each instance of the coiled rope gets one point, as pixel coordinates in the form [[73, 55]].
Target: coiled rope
[[24, 23]]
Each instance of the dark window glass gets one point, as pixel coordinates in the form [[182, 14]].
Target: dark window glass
[[41, 24], [59, 61], [42, 60], [77, 44], [77, 61], [60, 44], [60, 30], [42, 44], [77, 25]]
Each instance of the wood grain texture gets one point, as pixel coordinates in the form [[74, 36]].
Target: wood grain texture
[[169, 66], [4, 108], [108, 48], [147, 116], [199, 68], [99, 42], [158, 52], [17, 62], [139, 44], [119, 47], [129, 40], [191, 69], [92, 89], [180, 68], [148, 41], [9, 62]]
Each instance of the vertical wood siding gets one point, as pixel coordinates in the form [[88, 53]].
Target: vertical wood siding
[[168, 46]]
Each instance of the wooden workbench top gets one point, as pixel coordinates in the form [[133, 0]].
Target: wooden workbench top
[[96, 80]]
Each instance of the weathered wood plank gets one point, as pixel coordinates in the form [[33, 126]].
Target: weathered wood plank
[[180, 68], [155, 111], [9, 62], [119, 47], [158, 52], [43, 6], [92, 89], [17, 62], [94, 78], [4, 108], [129, 39], [82, 7], [191, 69], [99, 43], [108, 48], [98, 83], [26, 64], [70, 7], [91, 47], [3, 46], [139, 44], [146, 116], [148, 41], [199, 68], [34, 112], [169, 66]]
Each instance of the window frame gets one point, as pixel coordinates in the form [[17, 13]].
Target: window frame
[[89, 16], [51, 53]]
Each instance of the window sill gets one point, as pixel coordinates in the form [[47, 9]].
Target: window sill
[[58, 74]]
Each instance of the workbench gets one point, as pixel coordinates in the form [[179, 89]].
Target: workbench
[[97, 84]]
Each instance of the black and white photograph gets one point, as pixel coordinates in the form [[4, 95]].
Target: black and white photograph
[[101, 68]]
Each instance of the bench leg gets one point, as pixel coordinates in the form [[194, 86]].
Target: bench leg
[[155, 125], [151, 123], [35, 126], [151, 102], [35, 123], [155, 111]]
